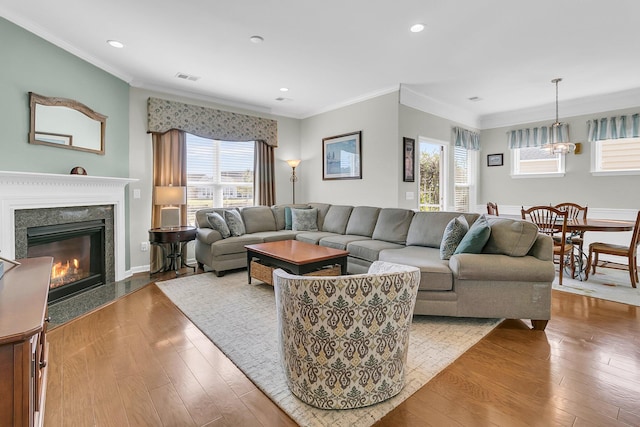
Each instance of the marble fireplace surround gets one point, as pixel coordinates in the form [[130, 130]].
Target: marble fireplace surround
[[26, 190]]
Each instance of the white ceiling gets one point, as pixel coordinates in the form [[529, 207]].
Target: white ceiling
[[331, 53]]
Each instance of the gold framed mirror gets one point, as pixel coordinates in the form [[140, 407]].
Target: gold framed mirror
[[65, 123]]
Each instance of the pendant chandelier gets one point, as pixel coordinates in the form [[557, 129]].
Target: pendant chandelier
[[559, 133]]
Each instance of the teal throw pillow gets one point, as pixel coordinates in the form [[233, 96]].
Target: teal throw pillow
[[218, 223], [454, 232], [476, 237], [304, 219], [234, 222]]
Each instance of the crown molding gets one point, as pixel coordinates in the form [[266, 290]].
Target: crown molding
[[568, 108], [352, 101], [419, 101]]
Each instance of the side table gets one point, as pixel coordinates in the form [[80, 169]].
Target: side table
[[175, 238]]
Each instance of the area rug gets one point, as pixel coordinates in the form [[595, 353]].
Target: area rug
[[241, 320], [607, 284]]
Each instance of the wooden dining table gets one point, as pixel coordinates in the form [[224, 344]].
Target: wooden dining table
[[578, 225]]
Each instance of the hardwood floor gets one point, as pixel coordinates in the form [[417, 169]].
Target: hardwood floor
[[140, 362]]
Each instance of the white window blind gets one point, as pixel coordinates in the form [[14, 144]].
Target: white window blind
[[461, 179], [617, 155], [219, 174], [536, 161]]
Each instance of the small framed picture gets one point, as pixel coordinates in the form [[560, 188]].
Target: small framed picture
[[408, 156], [495, 159]]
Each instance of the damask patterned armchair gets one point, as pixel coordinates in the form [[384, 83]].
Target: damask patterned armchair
[[344, 339]]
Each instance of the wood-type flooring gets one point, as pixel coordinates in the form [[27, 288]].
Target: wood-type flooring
[[140, 362]]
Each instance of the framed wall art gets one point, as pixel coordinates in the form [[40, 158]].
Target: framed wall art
[[342, 156], [409, 157], [495, 159]]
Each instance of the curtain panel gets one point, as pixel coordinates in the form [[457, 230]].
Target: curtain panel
[[466, 139], [164, 115], [613, 127], [535, 137], [264, 188]]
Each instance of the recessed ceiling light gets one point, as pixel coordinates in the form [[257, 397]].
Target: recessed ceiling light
[[256, 39], [416, 28], [115, 43], [284, 89]]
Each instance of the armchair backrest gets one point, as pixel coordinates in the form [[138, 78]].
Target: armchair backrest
[[344, 339]]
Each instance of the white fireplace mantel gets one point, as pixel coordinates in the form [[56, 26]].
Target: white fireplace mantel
[[26, 190]]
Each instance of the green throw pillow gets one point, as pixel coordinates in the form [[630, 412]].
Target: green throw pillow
[[476, 237], [455, 231]]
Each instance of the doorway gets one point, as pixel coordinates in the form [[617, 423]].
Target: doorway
[[431, 175]]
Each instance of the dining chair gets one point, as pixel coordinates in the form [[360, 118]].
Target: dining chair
[[553, 221], [630, 252], [574, 211], [492, 208]]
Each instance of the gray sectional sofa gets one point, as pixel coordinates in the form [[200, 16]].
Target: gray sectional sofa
[[511, 277]]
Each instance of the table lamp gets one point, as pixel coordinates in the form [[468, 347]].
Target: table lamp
[[168, 196]]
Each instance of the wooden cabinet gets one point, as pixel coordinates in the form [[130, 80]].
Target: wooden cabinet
[[23, 342]]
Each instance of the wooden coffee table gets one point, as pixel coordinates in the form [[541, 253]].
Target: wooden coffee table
[[296, 257]]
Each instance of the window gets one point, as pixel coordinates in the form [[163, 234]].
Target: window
[[536, 162], [219, 174], [616, 156], [462, 181]]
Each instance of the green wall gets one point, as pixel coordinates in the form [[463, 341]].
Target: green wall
[[31, 64]]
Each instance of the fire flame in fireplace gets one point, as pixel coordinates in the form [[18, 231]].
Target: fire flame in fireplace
[[64, 272]]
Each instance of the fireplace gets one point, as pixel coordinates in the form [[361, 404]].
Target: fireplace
[[78, 251]]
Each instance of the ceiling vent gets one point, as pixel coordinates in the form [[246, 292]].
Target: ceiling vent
[[184, 76], [282, 99]]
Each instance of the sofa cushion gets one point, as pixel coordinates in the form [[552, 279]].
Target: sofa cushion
[[313, 237], [453, 234], [234, 221], [362, 220], [304, 219], [435, 274], [258, 218], [274, 236], [427, 228], [234, 244], [340, 241], [393, 225], [323, 208], [335, 221], [510, 237], [369, 250], [476, 237], [219, 224]]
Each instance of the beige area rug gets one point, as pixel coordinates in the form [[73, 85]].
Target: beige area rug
[[241, 320], [607, 284]]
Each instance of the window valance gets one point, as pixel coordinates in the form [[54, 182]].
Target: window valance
[[466, 139], [535, 137], [164, 115], [613, 128]]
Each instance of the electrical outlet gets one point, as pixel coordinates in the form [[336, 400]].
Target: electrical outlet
[[144, 246]]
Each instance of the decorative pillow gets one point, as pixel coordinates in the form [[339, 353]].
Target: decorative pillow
[[455, 230], [304, 219], [218, 223], [476, 237], [288, 222], [234, 222]]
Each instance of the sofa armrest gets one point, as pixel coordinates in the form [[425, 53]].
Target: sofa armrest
[[208, 235], [501, 268]]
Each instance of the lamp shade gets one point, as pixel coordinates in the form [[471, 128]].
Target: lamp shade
[[170, 195], [293, 163]]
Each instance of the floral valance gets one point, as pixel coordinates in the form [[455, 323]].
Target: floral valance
[[466, 139], [535, 137], [613, 127], [206, 122]]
